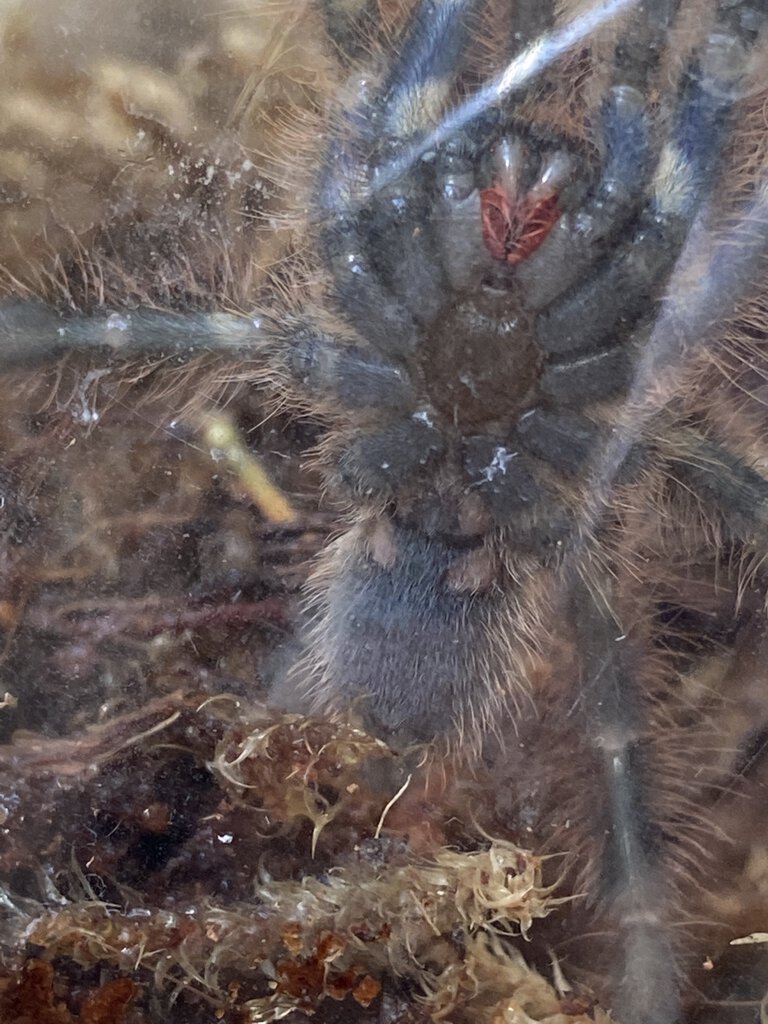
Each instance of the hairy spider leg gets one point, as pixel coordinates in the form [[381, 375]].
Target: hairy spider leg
[[646, 991], [351, 24], [414, 91], [32, 331], [579, 331], [631, 882], [731, 488]]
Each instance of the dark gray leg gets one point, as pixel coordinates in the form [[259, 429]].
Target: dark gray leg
[[32, 332], [632, 882], [732, 490]]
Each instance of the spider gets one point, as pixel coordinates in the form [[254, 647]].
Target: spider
[[529, 229], [516, 294]]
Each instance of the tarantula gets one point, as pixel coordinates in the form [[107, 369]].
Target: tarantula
[[530, 228], [526, 327]]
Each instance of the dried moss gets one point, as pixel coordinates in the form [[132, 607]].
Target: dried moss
[[370, 913]]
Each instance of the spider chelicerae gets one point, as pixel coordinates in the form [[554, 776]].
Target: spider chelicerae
[[528, 229]]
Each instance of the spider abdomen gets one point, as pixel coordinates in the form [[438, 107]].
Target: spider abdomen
[[408, 607]]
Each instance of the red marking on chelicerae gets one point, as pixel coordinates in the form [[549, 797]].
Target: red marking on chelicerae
[[512, 231]]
